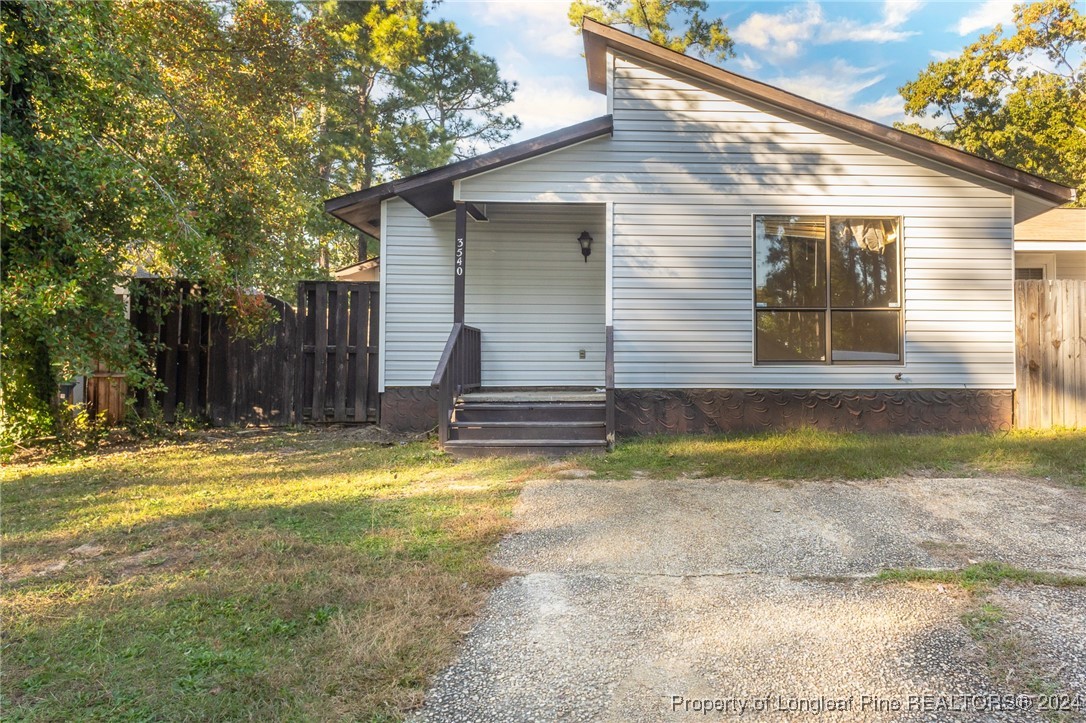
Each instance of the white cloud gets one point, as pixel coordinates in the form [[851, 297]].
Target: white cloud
[[546, 103], [941, 55], [886, 109], [542, 25], [987, 15], [895, 13], [780, 34], [747, 63], [838, 87], [783, 34]]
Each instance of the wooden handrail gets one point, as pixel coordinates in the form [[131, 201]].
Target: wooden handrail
[[459, 370], [446, 354]]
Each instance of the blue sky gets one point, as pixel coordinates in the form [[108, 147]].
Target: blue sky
[[851, 55]]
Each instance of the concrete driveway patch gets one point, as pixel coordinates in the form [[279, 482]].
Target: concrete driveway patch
[[649, 600]]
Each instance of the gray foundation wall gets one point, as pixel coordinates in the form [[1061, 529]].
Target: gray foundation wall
[[679, 411]]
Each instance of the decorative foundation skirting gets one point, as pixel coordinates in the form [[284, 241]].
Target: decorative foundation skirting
[[660, 411], [409, 409]]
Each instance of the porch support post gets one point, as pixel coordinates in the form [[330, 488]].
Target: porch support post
[[460, 261]]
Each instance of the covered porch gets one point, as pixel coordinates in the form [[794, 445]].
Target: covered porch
[[480, 296], [524, 368]]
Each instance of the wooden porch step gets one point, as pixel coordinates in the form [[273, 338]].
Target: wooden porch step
[[533, 412], [527, 421], [528, 430], [527, 447]]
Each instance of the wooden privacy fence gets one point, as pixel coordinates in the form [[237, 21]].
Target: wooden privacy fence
[[337, 338], [1050, 334], [314, 364]]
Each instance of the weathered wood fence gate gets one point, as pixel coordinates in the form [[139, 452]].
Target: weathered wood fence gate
[[316, 363], [1050, 335]]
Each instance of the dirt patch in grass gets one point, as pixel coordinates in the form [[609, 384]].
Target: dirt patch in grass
[[316, 574]]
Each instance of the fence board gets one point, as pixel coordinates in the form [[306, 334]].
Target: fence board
[[360, 316], [340, 389], [218, 383], [1051, 356], [191, 353], [371, 347], [320, 353], [172, 340]]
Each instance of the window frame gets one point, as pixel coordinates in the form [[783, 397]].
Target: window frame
[[827, 309]]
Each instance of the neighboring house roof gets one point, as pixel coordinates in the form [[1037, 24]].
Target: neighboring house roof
[[1059, 224], [598, 37], [431, 192], [358, 267], [1061, 229]]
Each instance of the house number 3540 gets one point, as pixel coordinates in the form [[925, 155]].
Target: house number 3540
[[459, 256]]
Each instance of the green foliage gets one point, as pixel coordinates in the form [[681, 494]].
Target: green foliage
[[1018, 99], [62, 431], [657, 20], [67, 197], [198, 140]]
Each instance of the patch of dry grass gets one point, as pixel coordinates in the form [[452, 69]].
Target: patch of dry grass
[[295, 574]]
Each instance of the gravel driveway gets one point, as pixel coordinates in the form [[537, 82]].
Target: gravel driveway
[[649, 600]]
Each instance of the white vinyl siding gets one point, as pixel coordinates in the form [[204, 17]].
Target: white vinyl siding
[[416, 259], [686, 170], [535, 299], [528, 289], [1071, 265]]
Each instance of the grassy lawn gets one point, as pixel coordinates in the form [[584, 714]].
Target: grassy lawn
[[811, 454], [243, 576], [319, 574]]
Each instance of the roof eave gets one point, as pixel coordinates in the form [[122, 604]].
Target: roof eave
[[430, 192]]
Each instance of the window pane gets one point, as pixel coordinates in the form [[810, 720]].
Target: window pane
[[791, 336], [790, 261], [863, 262], [865, 336]]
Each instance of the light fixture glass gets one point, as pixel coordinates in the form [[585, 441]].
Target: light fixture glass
[[585, 240]]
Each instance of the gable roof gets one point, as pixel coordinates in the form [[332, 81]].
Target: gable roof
[[598, 37], [431, 192]]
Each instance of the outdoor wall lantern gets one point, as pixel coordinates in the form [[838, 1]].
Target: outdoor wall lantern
[[585, 240]]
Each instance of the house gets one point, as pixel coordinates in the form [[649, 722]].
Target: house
[[1051, 245], [713, 254], [365, 270]]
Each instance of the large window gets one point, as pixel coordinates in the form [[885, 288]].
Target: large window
[[827, 289]]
